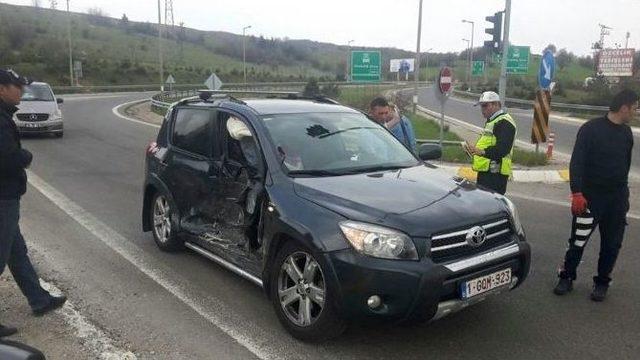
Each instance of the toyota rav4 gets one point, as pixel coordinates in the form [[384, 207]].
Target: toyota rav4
[[327, 211]]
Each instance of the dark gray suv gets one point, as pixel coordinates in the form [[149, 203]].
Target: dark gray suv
[[328, 212]]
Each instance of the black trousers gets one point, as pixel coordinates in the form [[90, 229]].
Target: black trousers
[[494, 181], [608, 211]]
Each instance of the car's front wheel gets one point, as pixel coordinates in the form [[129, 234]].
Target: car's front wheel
[[164, 233], [301, 296]]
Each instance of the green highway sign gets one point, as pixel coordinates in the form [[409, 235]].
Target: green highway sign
[[477, 68], [365, 66], [518, 60]]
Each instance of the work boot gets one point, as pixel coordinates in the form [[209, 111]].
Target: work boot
[[7, 331], [54, 303], [599, 292], [564, 286]]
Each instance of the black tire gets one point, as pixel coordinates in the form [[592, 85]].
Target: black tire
[[326, 324], [165, 234], [59, 134]]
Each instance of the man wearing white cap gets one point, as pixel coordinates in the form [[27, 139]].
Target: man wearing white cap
[[493, 150]]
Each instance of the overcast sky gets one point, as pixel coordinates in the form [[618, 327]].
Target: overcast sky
[[571, 24]]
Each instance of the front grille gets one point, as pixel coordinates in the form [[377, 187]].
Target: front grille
[[454, 245], [32, 117]]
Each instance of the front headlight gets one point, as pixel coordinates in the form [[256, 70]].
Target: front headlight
[[57, 115], [378, 241], [513, 211]]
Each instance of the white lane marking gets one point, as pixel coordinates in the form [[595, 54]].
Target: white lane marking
[[116, 112], [630, 215], [92, 337], [133, 254]]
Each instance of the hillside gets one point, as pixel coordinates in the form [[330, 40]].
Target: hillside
[[119, 51]]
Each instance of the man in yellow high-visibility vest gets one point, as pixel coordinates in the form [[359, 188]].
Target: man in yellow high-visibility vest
[[494, 149]]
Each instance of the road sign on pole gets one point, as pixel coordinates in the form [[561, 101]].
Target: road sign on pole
[[478, 68], [547, 70], [170, 80], [518, 60], [365, 66], [213, 82], [444, 86]]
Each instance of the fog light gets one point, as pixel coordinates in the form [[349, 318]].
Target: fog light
[[374, 302]]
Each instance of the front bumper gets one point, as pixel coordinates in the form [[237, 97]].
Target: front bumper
[[418, 289], [40, 127]]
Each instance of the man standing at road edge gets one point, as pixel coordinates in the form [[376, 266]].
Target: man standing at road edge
[[494, 149], [599, 172], [13, 184]]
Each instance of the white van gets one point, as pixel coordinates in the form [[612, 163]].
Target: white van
[[38, 111]]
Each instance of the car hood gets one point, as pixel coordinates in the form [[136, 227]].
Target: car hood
[[420, 201], [37, 107]]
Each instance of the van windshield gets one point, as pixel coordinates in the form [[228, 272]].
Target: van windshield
[[36, 92], [326, 144]]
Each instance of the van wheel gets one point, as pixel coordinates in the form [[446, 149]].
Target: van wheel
[[164, 233], [301, 296]]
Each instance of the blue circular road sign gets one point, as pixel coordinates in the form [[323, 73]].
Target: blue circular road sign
[[547, 70]]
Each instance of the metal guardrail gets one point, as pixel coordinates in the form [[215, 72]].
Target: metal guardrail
[[531, 103]]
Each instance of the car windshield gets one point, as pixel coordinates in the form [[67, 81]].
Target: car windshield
[[35, 92], [325, 144]]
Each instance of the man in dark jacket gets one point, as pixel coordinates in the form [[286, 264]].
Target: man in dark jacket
[[13, 184], [599, 171]]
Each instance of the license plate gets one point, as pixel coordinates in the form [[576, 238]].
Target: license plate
[[485, 283], [31, 125]]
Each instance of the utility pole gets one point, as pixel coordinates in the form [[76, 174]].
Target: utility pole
[[168, 13], [473, 24], [468, 71], [160, 47], [416, 69], [244, 52], [70, 48], [502, 84], [347, 70]]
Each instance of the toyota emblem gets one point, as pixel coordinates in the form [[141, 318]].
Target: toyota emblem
[[476, 236], [33, 117]]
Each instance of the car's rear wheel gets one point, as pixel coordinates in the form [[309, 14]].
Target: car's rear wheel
[[302, 297], [164, 233]]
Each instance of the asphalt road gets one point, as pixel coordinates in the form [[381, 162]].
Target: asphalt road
[[565, 131], [178, 306]]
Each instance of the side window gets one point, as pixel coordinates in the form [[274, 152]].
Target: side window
[[193, 131], [241, 147]]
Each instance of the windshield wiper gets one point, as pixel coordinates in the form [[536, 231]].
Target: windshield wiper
[[316, 173], [376, 168]]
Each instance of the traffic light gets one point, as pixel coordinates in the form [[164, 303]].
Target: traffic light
[[495, 44]]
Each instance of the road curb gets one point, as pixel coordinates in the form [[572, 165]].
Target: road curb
[[521, 176]]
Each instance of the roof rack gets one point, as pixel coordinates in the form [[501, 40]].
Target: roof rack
[[318, 98]]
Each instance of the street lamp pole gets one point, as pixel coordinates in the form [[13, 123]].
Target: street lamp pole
[[416, 70], [471, 51], [70, 51], [160, 47], [348, 72], [244, 52], [468, 67]]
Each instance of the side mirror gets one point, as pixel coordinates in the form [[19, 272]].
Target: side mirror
[[430, 152], [59, 101]]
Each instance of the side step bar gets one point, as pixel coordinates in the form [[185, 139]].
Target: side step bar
[[224, 263]]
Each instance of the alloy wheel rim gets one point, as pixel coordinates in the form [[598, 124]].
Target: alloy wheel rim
[[301, 289], [161, 219]]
